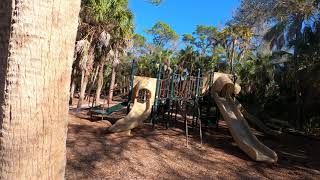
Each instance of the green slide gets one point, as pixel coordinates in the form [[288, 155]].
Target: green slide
[[99, 111]]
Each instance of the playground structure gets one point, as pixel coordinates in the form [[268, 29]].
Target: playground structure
[[125, 89], [237, 124], [142, 106], [174, 94]]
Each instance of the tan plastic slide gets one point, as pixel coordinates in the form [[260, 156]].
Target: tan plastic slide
[[140, 110], [236, 122]]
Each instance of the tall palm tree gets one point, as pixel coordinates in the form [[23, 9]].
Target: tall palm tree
[[106, 24], [236, 38], [35, 67], [285, 21], [122, 37], [187, 57], [291, 18], [36, 55], [92, 27]]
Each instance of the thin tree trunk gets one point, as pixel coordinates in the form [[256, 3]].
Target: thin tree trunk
[[36, 52], [232, 56], [113, 74], [73, 85], [85, 77], [100, 83], [242, 54], [298, 122], [112, 82], [82, 90], [93, 82], [72, 89]]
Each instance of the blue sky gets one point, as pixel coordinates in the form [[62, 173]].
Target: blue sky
[[182, 15]]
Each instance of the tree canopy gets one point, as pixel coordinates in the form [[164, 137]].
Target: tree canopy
[[162, 34]]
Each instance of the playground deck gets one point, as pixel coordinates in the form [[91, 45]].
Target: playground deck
[[162, 153]]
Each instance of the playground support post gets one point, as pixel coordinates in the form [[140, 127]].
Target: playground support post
[[197, 103], [171, 96], [157, 96], [198, 84]]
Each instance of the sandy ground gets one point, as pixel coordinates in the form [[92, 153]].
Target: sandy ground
[[162, 154]]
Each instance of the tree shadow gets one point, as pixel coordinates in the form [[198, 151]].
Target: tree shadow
[[162, 153]]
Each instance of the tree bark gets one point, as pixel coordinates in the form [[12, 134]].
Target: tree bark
[[36, 52], [232, 56], [113, 74], [73, 85], [85, 77], [100, 82], [93, 83], [83, 87], [72, 89], [112, 82]]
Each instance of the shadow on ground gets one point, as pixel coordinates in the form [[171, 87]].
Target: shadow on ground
[[160, 153]]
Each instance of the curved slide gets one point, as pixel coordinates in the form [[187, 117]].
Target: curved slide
[[140, 110], [238, 125]]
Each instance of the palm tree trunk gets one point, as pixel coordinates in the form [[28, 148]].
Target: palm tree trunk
[[232, 56], [73, 85], [113, 74], [36, 54], [83, 87], [298, 122], [112, 82], [93, 82], [85, 77], [100, 83], [72, 89]]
